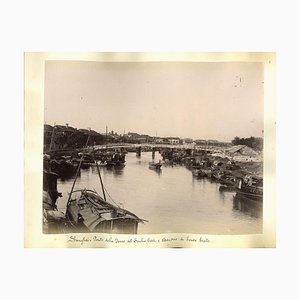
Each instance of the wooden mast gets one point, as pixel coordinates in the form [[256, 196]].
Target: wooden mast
[[52, 137], [106, 137], [77, 172], [98, 170]]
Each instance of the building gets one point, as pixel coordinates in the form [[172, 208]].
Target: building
[[139, 138], [159, 140], [200, 142], [188, 141], [48, 132], [173, 140], [241, 150], [57, 136]]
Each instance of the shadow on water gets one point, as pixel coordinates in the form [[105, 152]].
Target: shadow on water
[[115, 170], [66, 177], [248, 206], [118, 170], [157, 171], [168, 164]]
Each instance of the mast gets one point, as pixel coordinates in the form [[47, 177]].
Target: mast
[[77, 171], [206, 146], [98, 170], [106, 137], [52, 137]]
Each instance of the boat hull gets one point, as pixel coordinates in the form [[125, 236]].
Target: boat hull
[[90, 213], [252, 196], [154, 166]]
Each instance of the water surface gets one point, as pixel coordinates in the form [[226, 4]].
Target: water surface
[[171, 200]]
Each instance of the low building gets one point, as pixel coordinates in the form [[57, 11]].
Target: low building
[[173, 140], [159, 140], [59, 135], [241, 150], [188, 141], [139, 138], [200, 142]]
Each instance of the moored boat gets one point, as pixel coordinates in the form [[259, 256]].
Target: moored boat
[[226, 188], [155, 166], [198, 173], [249, 206], [201, 173], [228, 180], [250, 187], [63, 167], [115, 159], [88, 212]]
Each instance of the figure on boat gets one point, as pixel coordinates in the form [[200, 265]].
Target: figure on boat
[[54, 221]]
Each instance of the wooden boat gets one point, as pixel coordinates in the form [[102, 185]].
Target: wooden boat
[[216, 175], [226, 188], [155, 166], [88, 212], [228, 180], [201, 173], [101, 163], [117, 159], [250, 187], [62, 167], [248, 206], [86, 161], [198, 173], [207, 172]]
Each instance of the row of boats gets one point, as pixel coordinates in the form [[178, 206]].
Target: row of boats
[[233, 178], [243, 178], [66, 166]]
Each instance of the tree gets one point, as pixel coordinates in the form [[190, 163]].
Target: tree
[[236, 141]]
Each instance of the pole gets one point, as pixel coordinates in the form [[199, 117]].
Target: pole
[[52, 137], [77, 172], [106, 137], [101, 182]]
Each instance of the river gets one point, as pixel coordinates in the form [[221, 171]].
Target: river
[[171, 200]]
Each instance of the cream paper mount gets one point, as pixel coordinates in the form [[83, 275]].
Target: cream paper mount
[[34, 121]]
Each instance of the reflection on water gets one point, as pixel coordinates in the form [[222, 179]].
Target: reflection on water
[[157, 171], [248, 206], [171, 199]]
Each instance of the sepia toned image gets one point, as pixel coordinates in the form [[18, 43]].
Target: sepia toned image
[[144, 148]]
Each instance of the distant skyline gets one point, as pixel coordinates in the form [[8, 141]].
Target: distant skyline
[[198, 100]]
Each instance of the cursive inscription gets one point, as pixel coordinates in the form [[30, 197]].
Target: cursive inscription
[[170, 241]]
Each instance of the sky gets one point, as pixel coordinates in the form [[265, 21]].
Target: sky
[[199, 100]]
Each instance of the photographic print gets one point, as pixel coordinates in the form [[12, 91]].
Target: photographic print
[[165, 152]]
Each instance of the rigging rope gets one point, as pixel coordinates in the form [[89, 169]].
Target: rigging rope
[[119, 205]]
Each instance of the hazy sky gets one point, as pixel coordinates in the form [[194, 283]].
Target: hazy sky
[[185, 99]]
